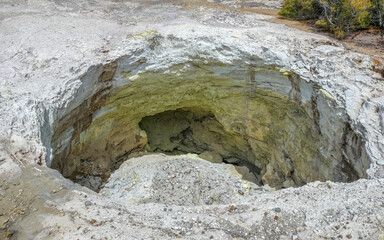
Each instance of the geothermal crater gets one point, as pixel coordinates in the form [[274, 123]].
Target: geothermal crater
[[276, 128], [88, 87]]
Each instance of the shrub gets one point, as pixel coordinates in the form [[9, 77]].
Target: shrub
[[338, 16], [300, 9], [343, 16], [321, 23], [377, 11]]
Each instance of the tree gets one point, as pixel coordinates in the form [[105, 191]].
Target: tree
[[344, 16], [378, 14], [338, 16]]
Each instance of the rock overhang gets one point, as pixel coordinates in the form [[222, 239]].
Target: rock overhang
[[262, 107]]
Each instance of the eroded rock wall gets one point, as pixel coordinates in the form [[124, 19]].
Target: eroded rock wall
[[292, 130]]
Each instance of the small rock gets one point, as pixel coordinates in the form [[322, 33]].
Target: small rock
[[276, 218], [277, 209], [9, 234], [20, 212], [88, 203], [232, 208], [93, 221], [349, 236]]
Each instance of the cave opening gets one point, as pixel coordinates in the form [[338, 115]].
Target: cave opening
[[184, 131]]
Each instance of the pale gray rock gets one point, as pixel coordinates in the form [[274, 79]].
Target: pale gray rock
[[184, 180], [91, 182], [314, 211]]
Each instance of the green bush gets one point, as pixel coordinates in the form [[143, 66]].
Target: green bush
[[300, 9], [364, 20], [337, 16]]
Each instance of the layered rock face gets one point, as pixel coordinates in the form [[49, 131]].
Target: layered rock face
[[286, 130]]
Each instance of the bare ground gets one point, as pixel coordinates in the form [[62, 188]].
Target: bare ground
[[368, 41]]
